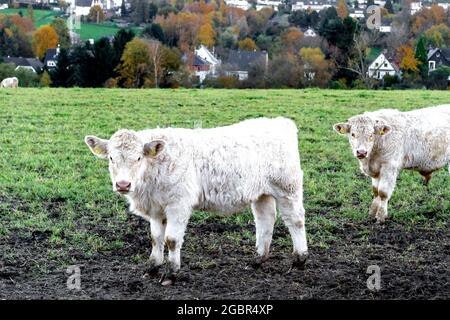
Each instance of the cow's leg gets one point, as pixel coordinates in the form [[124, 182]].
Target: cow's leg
[[177, 220], [158, 227], [264, 211], [293, 215], [388, 178], [376, 200]]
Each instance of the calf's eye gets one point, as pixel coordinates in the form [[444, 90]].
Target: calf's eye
[[139, 159], [353, 135], [110, 158]]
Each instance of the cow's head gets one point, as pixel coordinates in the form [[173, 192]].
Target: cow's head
[[362, 132], [128, 157]]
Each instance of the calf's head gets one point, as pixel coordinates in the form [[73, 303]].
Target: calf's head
[[362, 133], [128, 157]]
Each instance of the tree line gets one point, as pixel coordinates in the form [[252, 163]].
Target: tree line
[[159, 55]]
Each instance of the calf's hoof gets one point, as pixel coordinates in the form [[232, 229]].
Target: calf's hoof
[[299, 261], [151, 271], [259, 260], [169, 277]]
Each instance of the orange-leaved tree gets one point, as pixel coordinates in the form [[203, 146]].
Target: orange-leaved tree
[[247, 44], [408, 61], [44, 38]]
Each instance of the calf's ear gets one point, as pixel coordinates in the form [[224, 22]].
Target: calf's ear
[[154, 148], [98, 146], [342, 128], [383, 129]]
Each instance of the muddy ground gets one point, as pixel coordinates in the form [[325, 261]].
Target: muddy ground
[[414, 265]]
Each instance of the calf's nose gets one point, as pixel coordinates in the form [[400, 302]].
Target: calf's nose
[[123, 185], [361, 153]]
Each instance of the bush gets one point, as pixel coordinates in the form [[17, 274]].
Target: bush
[[438, 79], [390, 81], [338, 84]]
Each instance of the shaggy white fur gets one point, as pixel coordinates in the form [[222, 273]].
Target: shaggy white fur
[[387, 141], [167, 173], [10, 83]]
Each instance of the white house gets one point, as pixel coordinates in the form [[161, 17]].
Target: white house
[[416, 7], [241, 4], [316, 5], [357, 14], [82, 7], [310, 33], [380, 67], [261, 4], [205, 63]]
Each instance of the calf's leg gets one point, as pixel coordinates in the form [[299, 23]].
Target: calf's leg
[[158, 228], [388, 178], [293, 215], [177, 220], [376, 200], [264, 212]]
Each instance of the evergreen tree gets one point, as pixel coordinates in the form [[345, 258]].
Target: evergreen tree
[[154, 31], [389, 7], [62, 74], [121, 39], [104, 65], [422, 57]]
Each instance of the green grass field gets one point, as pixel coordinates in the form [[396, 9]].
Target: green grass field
[[86, 31], [45, 167]]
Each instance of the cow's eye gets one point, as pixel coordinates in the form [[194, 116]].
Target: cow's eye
[[110, 158], [353, 135], [139, 159]]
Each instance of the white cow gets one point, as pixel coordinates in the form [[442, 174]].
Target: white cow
[[167, 173], [387, 141], [10, 83]]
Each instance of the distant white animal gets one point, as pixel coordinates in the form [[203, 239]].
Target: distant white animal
[[387, 141], [166, 173], [10, 83]]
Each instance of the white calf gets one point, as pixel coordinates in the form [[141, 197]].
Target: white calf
[[166, 173], [387, 141]]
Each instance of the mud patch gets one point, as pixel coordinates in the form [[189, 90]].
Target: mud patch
[[414, 265]]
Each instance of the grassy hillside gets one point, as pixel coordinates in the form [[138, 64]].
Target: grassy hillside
[[86, 31], [51, 184]]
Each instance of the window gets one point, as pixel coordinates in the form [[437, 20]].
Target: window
[[385, 64], [431, 65]]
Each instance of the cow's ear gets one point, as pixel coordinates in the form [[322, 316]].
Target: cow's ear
[[154, 148], [98, 146], [342, 128], [382, 129]]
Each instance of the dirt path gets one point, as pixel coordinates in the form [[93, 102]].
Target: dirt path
[[413, 265]]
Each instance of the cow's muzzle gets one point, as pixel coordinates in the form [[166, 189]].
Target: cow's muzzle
[[123, 186]]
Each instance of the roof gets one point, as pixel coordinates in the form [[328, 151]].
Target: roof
[[24, 62], [243, 60], [199, 61], [50, 55], [83, 3], [445, 55]]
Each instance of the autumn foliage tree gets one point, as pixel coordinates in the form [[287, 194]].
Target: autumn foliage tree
[[317, 70], [44, 38], [146, 63], [206, 35], [247, 45], [96, 14], [342, 9], [408, 61]]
